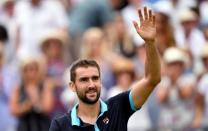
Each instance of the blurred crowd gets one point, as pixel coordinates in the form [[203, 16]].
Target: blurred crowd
[[40, 38]]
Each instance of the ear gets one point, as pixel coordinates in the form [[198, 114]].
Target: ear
[[72, 86]]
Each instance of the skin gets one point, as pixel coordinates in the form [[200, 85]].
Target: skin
[[140, 90]]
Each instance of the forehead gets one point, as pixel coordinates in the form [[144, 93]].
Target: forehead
[[86, 72], [32, 64]]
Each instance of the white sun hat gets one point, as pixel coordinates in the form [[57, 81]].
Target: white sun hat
[[174, 54], [187, 15]]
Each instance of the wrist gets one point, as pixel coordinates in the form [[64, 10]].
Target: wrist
[[151, 41]]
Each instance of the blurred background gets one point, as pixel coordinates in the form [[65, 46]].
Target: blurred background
[[40, 38]]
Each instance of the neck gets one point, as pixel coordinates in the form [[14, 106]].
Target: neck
[[88, 113]]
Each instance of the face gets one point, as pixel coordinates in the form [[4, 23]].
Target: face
[[94, 44], [87, 84], [30, 71], [175, 69], [124, 79], [54, 48], [189, 25]]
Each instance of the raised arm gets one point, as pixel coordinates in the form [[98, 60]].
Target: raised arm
[[147, 30]]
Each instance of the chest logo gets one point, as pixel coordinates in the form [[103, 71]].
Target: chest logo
[[106, 120]]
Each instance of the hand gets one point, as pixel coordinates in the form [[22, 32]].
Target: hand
[[147, 28], [26, 106]]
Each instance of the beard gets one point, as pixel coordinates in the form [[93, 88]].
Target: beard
[[83, 95]]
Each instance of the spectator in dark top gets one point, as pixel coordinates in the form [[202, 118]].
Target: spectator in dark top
[[32, 100], [93, 114]]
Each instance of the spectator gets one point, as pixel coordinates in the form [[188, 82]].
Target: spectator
[[53, 46], [32, 100], [176, 92], [189, 34], [125, 76]]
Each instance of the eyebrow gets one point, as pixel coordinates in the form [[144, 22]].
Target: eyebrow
[[86, 77]]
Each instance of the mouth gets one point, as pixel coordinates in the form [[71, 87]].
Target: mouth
[[92, 93]]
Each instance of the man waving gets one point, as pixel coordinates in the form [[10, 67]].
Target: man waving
[[93, 114]]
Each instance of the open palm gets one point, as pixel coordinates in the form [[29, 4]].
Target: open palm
[[147, 28]]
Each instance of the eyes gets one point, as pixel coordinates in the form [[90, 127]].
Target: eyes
[[87, 79]]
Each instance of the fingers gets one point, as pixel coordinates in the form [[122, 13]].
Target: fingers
[[148, 15], [136, 25], [153, 21], [140, 16], [145, 13]]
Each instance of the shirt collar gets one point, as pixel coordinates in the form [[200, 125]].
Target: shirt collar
[[75, 121]]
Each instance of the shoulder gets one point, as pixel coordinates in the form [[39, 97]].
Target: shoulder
[[121, 105], [120, 99], [62, 122]]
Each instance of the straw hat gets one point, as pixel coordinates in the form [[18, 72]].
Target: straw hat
[[122, 64], [174, 54], [51, 35]]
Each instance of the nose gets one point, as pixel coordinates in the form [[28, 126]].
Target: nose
[[91, 83]]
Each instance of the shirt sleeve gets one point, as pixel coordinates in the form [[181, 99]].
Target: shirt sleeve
[[123, 103]]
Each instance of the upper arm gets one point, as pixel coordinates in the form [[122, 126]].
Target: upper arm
[[140, 92]]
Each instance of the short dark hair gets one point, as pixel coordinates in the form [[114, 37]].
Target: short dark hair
[[82, 63]]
